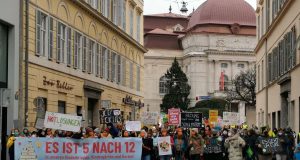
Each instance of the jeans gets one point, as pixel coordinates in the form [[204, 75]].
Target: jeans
[[281, 157], [166, 157], [146, 157]]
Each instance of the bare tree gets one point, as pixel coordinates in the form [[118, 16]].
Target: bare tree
[[243, 87]]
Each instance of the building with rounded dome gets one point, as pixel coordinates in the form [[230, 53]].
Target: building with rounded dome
[[217, 39]]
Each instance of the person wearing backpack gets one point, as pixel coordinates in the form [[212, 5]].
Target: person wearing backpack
[[251, 150]]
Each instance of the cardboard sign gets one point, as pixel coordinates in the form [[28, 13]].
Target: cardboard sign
[[191, 119], [213, 116], [231, 118], [164, 146], [88, 149], [174, 116], [150, 118], [110, 116], [133, 125], [270, 145], [60, 121]]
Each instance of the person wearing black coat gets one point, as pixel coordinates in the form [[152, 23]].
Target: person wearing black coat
[[147, 146]]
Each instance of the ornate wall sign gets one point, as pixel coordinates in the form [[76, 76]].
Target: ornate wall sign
[[59, 84], [128, 100]]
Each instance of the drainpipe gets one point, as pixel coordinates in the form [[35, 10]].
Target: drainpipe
[[21, 56], [26, 62], [267, 87]]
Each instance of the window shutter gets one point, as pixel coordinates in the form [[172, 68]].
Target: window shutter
[[84, 54], [123, 72], [69, 46], [119, 70], [38, 33], [108, 65], [58, 43], [75, 50], [50, 38]]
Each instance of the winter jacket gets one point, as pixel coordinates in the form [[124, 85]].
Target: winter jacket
[[196, 145], [235, 146], [180, 144]]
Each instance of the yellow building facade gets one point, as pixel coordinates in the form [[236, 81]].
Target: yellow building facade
[[85, 56]]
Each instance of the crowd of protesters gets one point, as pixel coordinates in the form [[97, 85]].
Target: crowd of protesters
[[206, 143]]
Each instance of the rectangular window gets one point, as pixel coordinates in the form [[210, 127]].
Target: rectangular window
[[61, 42], [268, 14], [131, 21], [41, 30], [94, 4], [123, 21], [138, 34], [115, 10], [224, 65], [69, 47], [107, 64], [131, 75], [3, 55], [138, 78], [77, 49], [41, 107], [61, 107], [294, 46], [84, 54], [50, 38], [270, 67], [119, 69], [241, 66]]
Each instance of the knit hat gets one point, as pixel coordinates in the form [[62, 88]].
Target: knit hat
[[195, 130], [97, 130]]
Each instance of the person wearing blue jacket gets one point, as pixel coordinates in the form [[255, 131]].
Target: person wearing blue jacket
[[180, 144], [113, 130]]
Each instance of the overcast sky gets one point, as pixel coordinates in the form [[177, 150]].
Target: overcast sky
[[162, 6]]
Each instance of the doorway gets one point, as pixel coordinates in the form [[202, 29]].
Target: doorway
[[3, 132], [92, 111]]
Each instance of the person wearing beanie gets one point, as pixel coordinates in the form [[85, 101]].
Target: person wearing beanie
[[106, 134], [235, 145], [89, 132], [196, 145], [97, 133]]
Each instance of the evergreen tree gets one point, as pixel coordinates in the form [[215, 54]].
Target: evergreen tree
[[178, 89]]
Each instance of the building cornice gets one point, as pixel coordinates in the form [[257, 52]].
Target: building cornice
[[109, 24], [273, 25], [235, 53]]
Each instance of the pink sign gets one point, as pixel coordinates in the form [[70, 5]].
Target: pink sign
[[174, 116]]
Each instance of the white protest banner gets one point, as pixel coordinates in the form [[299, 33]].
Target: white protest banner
[[62, 121], [164, 146], [149, 118], [133, 125], [231, 118]]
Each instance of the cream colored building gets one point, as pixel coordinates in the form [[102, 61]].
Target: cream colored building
[[277, 63], [219, 37], [84, 56]]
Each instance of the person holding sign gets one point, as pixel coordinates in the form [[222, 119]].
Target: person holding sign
[[196, 144], [282, 154], [162, 146], [262, 154], [235, 145], [147, 146]]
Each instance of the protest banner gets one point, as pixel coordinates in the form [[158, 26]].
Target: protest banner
[[65, 148], [164, 146], [270, 145], [213, 116], [174, 116], [150, 118], [133, 125], [110, 116], [60, 121], [231, 118], [191, 119], [213, 145]]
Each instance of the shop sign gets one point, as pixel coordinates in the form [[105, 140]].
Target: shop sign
[[129, 101], [110, 116], [57, 83]]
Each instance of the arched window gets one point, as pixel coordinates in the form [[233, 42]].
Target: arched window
[[162, 85]]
